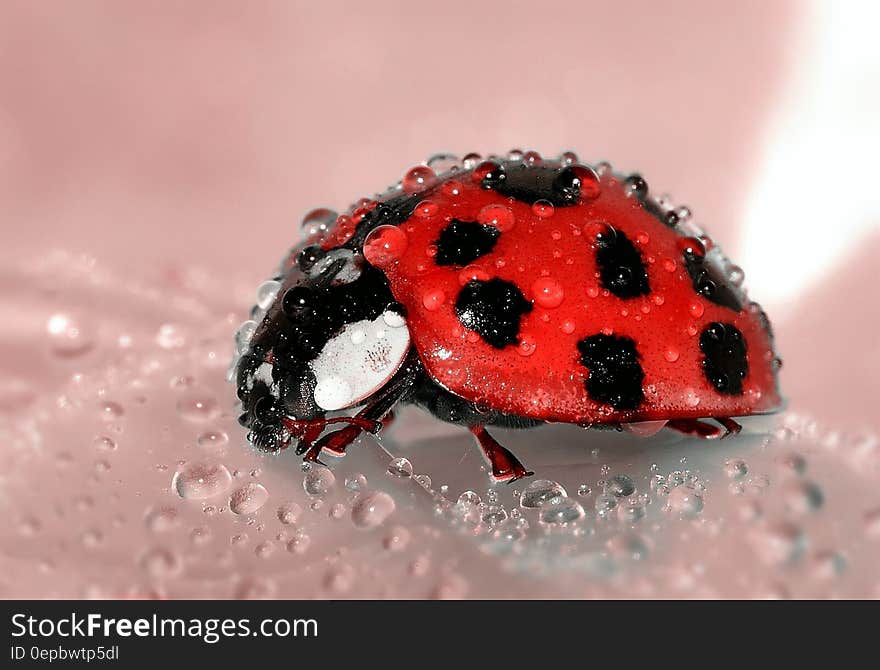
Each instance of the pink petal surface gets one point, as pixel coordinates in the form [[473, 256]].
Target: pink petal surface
[[154, 164]]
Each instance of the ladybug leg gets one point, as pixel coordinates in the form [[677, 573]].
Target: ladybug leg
[[505, 466], [371, 418], [695, 428], [309, 431], [731, 427]]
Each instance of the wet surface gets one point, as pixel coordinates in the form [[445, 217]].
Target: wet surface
[[181, 147], [126, 475]]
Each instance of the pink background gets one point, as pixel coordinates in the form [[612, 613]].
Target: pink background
[[174, 147]]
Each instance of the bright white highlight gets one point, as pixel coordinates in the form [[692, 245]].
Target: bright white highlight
[[815, 196]]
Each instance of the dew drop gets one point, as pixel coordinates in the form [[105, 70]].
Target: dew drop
[[316, 224], [548, 292], [497, 215], [255, 588], [199, 481], [371, 509], [540, 492], [644, 428], [433, 299], [264, 549], [442, 163], [200, 535], [468, 499], [543, 209], [418, 179], [452, 188], [161, 519], [196, 405], [161, 562], [685, 501], [318, 481], [561, 511], [620, 486], [244, 335], [212, 438], [736, 275], [489, 174], [356, 483], [493, 515], [397, 539], [248, 499], [400, 467], [691, 398], [299, 545], [104, 443], [605, 504], [267, 292], [527, 345], [736, 468], [289, 513], [469, 161], [631, 510], [109, 410], [510, 531], [67, 338], [426, 209], [384, 245]]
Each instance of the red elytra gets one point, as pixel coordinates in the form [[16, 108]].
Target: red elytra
[[552, 259]]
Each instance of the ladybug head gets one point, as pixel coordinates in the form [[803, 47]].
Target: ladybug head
[[333, 336]]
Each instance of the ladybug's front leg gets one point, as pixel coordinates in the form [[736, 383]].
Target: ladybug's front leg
[[371, 417], [505, 466]]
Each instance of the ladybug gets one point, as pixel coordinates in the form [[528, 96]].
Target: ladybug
[[506, 292]]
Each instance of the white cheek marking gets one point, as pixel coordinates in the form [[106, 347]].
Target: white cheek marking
[[359, 361], [333, 392]]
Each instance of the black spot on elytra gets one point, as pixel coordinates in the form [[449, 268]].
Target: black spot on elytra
[[615, 373], [621, 268], [530, 183], [709, 281], [492, 309], [724, 364], [463, 242]]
